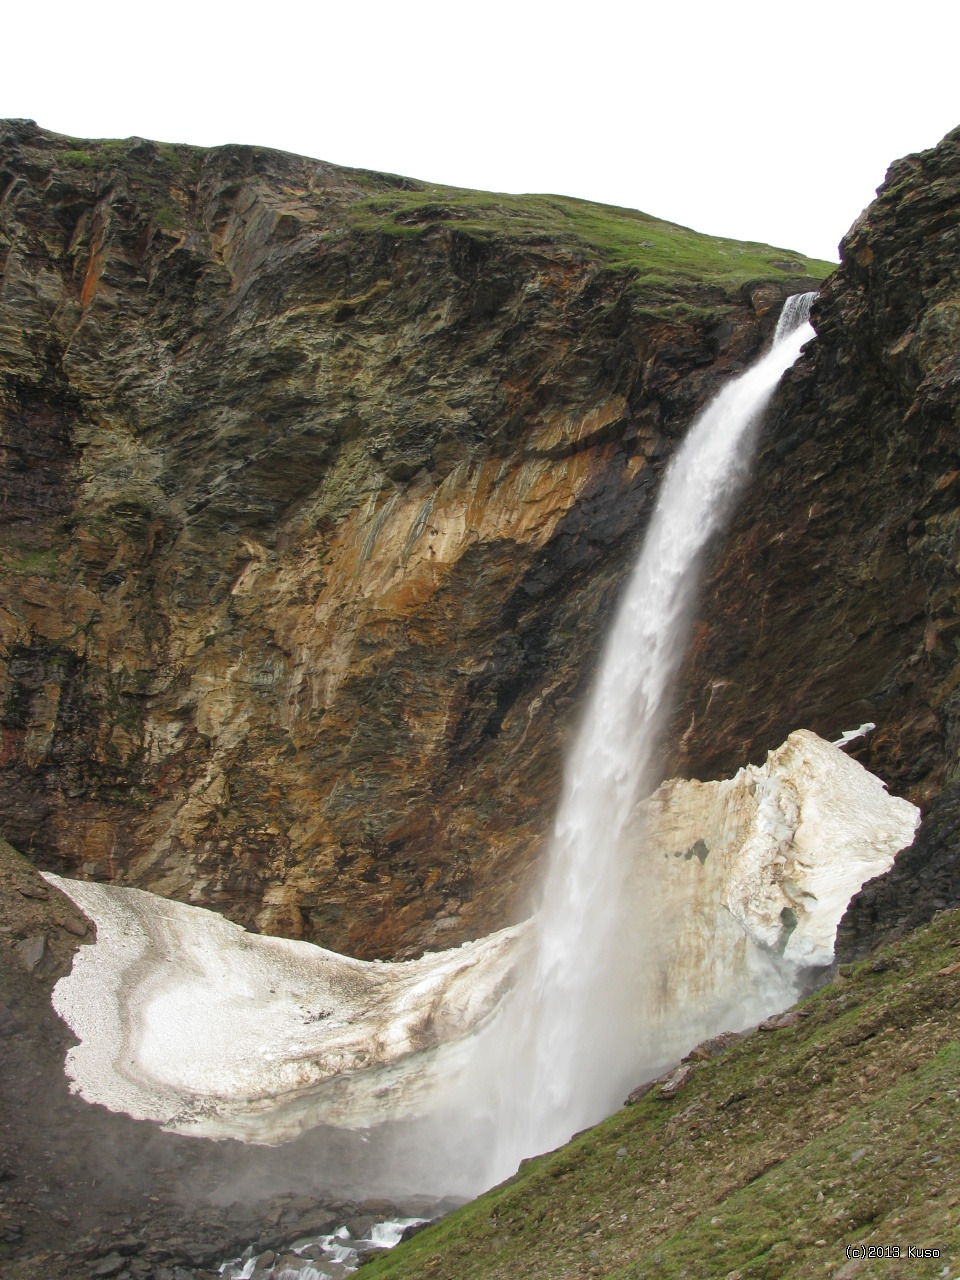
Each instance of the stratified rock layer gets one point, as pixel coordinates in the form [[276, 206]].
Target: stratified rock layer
[[836, 598], [318, 489]]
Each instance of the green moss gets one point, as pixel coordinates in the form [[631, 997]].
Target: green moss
[[665, 261], [167, 218], [32, 564], [178, 155], [862, 1168], [79, 159], [654, 252], [176, 159], [97, 153]]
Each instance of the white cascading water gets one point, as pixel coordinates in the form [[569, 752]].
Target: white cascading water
[[568, 1046]]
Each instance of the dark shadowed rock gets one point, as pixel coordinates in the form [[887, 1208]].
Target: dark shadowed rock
[[111, 1265], [412, 1229], [924, 879]]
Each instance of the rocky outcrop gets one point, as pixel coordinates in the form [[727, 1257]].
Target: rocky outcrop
[[318, 486], [836, 598]]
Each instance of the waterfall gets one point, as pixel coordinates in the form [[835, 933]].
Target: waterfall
[[569, 1045], [665, 918]]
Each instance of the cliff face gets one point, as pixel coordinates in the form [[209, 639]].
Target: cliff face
[[318, 486], [836, 598]]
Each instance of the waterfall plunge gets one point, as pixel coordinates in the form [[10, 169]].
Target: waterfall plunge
[[662, 922], [572, 1039]]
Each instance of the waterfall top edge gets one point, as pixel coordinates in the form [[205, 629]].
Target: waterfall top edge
[[796, 311]]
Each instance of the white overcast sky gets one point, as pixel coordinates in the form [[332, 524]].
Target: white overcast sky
[[762, 121]]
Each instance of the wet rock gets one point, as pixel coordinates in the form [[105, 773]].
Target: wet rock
[[128, 1246], [336, 1270], [382, 1210], [317, 1224], [676, 1080], [412, 1229], [369, 1253], [445, 1205], [487, 413], [360, 1226], [833, 600], [290, 1262], [200, 1253], [31, 950], [641, 1091], [314, 1252], [111, 1265], [924, 879], [713, 1047]]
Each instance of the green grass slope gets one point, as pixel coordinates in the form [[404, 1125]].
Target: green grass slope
[[654, 251], [784, 1158]]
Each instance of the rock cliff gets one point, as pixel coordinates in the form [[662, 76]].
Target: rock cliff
[[318, 486]]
